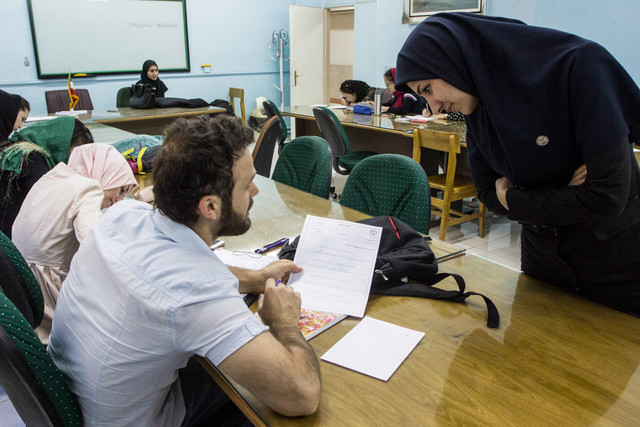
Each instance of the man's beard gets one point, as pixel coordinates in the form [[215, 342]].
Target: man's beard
[[233, 223]]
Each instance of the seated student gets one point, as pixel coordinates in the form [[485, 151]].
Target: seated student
[[354, 91], [31, 153], [145, 294], [14, 111], [59, 211], [149, 76], [403, 103]]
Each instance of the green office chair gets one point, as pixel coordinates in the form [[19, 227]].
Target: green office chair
[[37, 389], [332, 131], [271, 110], [19, 284], [305, 163], [390, 184], [123, 97]]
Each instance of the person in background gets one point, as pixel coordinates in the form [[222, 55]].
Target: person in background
[[31, 153], [149, 76], [542, 149], [354, 91], [14, 111], [146, 293], [59, 211], [403, 103]]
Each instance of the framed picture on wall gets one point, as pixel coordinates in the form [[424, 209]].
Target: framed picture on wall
[[417, 10]]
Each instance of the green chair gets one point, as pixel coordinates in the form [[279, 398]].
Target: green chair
[[332, 131], [305, 163], [390, 184], [271, 110], [19, 284], [37, 389], [123, 97]]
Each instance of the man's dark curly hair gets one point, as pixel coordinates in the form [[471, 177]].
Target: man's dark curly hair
[[196, 160]]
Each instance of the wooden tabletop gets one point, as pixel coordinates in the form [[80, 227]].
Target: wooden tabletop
[[128, 114], [557, 359], [382, 123]]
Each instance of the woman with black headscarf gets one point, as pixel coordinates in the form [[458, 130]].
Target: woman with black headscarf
[[551, 119], [354, 91], [149, 76], [14, 111]]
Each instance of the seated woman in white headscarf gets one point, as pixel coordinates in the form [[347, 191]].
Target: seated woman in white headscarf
[[59, 211]]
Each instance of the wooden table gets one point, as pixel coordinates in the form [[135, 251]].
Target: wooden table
[[382, 134], [557, 359], [150, 121]]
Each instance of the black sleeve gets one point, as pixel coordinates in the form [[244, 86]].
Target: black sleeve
[[407, 103], [604, 194], [35, 166], [487, 195]]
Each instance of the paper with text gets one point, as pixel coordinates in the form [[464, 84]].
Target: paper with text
[[338, 258], [374, 348]]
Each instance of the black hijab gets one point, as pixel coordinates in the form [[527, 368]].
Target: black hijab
[[355, 87], [548, 100], [9, 108], [161, 88]]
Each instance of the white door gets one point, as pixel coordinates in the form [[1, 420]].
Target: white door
[[306, 54]]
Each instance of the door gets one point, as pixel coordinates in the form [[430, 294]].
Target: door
[[306, 54]]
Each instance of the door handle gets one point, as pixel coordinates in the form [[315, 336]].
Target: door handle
[[295, 77]]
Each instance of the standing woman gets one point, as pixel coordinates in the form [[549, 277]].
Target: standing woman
[[30, 154], [149, 76], [403, 103], [59, 211], [551, 118], [14, 111]]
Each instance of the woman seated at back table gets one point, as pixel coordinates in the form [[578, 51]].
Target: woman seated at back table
[[149, 76], [403, 103], [354, 91], [59, 211]]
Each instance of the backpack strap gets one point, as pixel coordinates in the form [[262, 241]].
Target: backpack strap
[[426, 290]]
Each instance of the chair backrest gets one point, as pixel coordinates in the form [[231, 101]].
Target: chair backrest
[[390, 184], [37, 389], [271, 110], [234, 93], [446, 142], [305, 163], [332, 131], [263, 150], [58, 100], [19, 283], [123, 97]]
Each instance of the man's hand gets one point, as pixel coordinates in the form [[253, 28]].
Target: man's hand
[[279, 307], [253, 282], [579, 176], [502, 186]]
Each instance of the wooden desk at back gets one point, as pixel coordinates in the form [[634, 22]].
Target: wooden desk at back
[[381, 134], [557, 359], [150, 122]]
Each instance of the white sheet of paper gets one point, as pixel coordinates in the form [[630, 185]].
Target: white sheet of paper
[[374, 348], [338, 258], [247, 260]]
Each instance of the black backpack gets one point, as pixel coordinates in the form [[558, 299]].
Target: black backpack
[[404, 253]]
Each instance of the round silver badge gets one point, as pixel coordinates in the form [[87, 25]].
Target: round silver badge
[[542, 140]]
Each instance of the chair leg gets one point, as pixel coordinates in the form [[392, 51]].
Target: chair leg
[[444, 219], [483, 212]]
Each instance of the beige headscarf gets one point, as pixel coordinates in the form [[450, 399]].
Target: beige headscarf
[[103, 163]]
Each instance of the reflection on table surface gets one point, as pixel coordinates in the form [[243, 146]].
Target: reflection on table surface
[[128, 113], [381, 122]]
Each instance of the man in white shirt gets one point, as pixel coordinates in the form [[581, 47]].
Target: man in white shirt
[[145, 294]]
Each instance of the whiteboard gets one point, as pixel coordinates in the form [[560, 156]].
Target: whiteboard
[[108, 36]]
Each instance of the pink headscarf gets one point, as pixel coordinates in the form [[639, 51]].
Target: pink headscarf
[[103, 163], [397, 95]]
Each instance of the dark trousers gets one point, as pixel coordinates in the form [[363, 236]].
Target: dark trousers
[[572, 258], [205, 402]]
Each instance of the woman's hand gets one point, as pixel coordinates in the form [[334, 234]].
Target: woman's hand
[[383, 108], [502, 186], [579, 176]]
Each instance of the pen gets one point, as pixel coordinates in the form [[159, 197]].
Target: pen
[[278, 282], [270, 246]]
